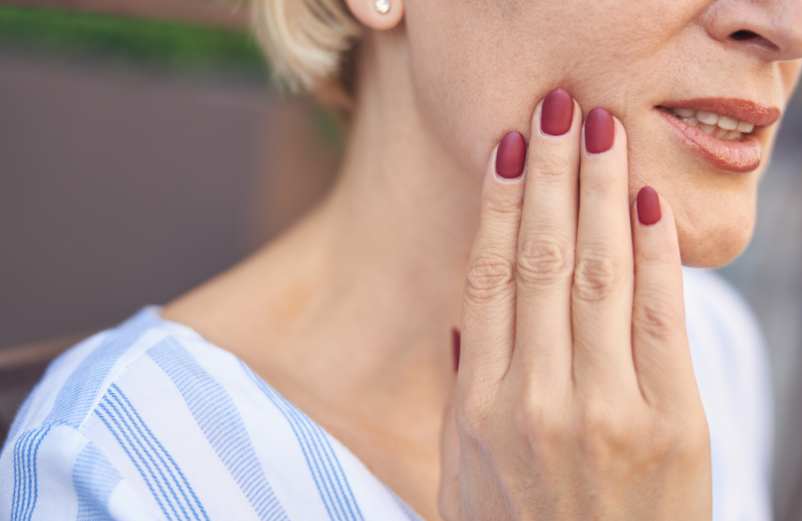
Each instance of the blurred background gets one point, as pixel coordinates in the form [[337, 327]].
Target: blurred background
[[142, 150]]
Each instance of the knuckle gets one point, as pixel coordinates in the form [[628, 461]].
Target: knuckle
[[601, 182], [543, 426], [502, 205], [596, 274], [677, 442], [654, 318], [688, 442], [606, 434], [551, 166], [542, 260], [488, 276]]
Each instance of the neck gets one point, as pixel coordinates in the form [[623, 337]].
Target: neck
[[390, 242], [401, 219], [378, 266]]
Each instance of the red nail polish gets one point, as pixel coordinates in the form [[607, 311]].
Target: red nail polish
[[455, 347], [599, 131], [648, 205], [511, 155], [557, 112]]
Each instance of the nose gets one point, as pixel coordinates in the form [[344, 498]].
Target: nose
[[769, 29]]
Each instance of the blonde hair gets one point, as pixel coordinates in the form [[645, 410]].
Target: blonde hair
[[308, 44]]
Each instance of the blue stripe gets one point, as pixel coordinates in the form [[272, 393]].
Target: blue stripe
[[155, 460], [328, 471], [318, 452], [71, 406], [94, 479], [83, 386], [309, 448], [339, 474], [17, 469], [171, 465], [26, 482], [113, 425], [411, 514], [218, 418], [311, 460]]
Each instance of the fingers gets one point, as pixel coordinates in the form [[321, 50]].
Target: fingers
[[546, 239], [603, 279], [659, 340], [489, 296]]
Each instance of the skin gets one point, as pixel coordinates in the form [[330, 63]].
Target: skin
[[376, 274], [576, 397]]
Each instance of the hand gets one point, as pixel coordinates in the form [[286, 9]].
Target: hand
[[575, 396]]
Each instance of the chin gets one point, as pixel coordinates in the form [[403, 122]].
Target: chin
[[714, 243], [715, 210]]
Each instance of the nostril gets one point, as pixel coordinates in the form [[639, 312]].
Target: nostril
[[743, 34], [747, 35]]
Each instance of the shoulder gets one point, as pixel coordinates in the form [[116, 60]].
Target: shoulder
[[76, 381], [147, 418]]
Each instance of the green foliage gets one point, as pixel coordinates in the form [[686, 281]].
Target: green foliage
[[171, 45]]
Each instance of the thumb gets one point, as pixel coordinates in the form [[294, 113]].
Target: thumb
[[448, 494]]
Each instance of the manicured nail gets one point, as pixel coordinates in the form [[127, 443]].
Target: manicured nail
[[648, 205], [599, 131], [511, 155], [557, 112], [455, 347]]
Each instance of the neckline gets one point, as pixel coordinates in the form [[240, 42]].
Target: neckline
[[150, 314]]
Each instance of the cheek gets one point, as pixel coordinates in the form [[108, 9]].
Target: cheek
[[791, 72], [478, 67]]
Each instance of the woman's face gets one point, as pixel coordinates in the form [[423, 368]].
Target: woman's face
[[480, 66]]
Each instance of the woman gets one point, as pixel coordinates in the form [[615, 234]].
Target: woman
[[532, 175]]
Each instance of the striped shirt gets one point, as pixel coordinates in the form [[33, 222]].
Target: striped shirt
[[149, 420]]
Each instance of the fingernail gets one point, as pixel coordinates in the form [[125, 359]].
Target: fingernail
[[455, 347], [557, 112], [599, 131], [648, 205], [510, 155]]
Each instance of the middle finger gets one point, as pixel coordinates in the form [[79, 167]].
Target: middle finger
[[601, 302], [546, 242]]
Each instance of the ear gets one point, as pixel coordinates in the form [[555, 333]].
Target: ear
[[368, 13]]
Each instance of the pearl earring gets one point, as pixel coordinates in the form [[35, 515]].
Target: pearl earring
[[382, 6]]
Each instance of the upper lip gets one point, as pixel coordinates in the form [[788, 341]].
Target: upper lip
[[737, 108]]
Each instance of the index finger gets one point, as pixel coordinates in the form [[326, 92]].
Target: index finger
[[489, 298]]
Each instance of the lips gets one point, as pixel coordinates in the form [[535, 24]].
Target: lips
[[742, 155]]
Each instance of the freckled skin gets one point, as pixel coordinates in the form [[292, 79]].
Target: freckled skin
[[479, 66]]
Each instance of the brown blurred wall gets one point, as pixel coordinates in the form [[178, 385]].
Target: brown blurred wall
[[121, 188]]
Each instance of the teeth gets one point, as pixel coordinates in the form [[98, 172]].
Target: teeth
[[722, 127], [722, 133], [708, 118], [727, 123]]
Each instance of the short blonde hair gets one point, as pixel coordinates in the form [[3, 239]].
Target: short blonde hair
[[309, 45]]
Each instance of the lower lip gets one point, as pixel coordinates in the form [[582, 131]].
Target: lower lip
[[736, 156]]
